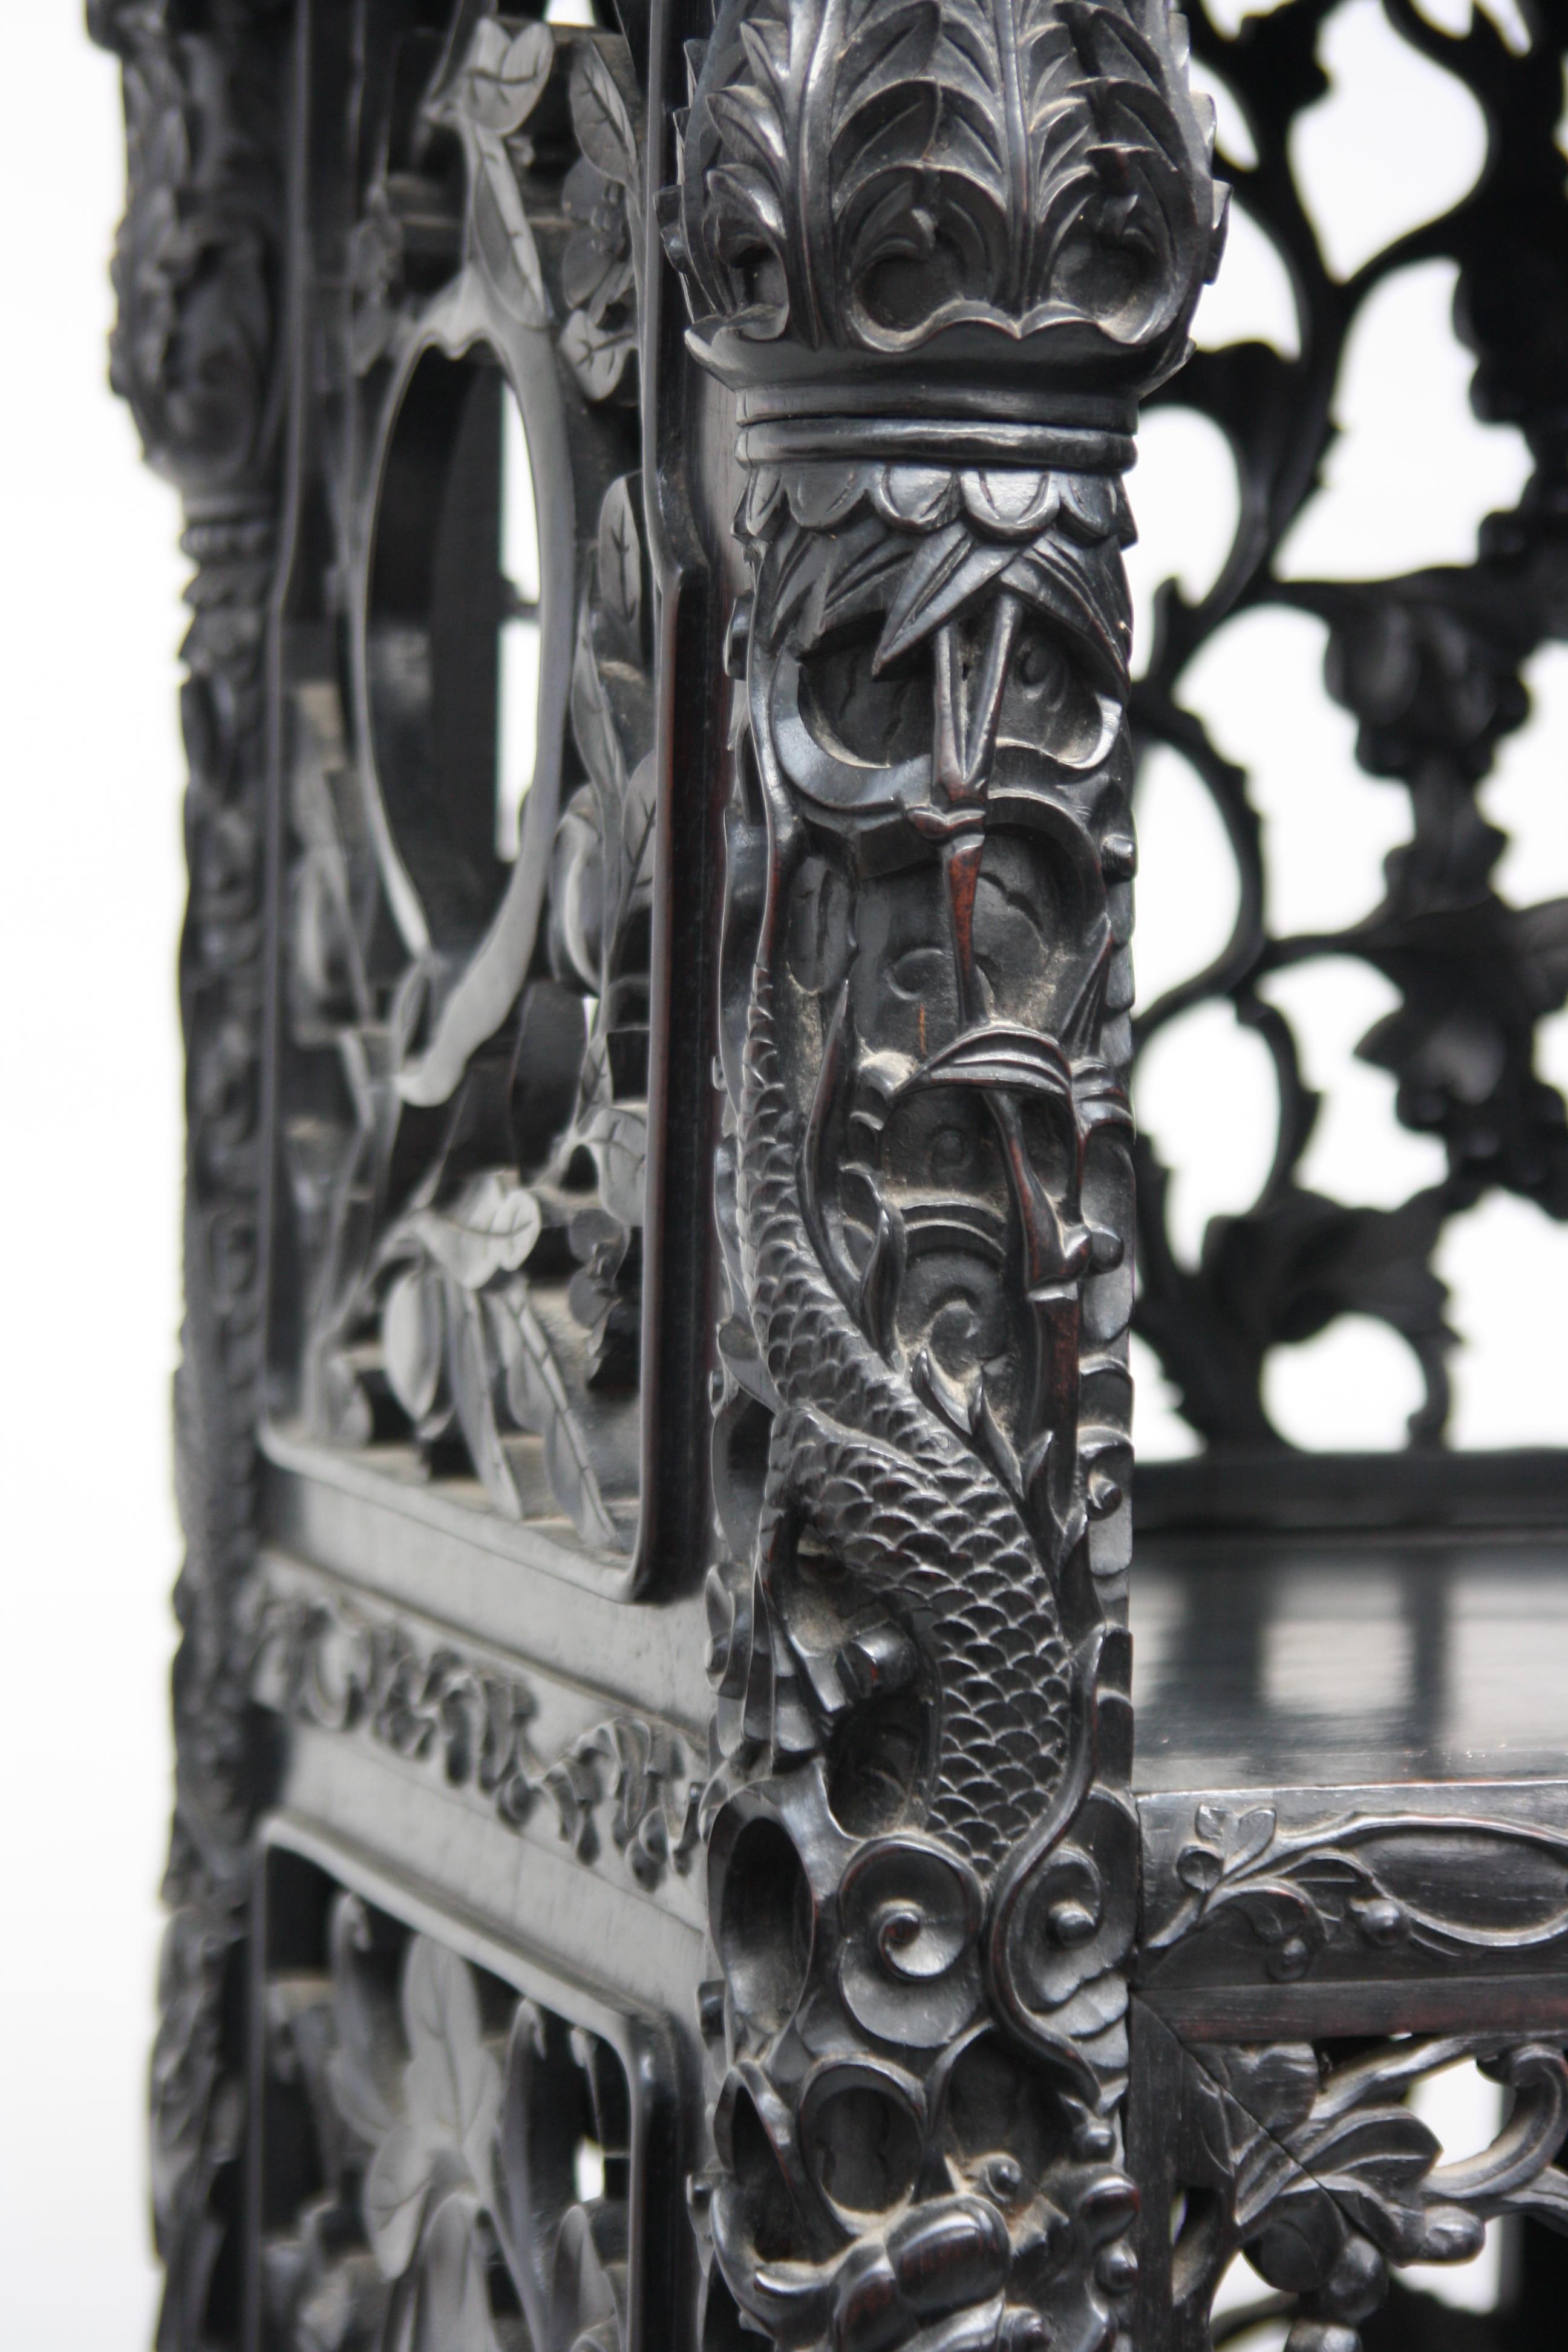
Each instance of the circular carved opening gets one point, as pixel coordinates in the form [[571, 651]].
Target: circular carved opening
[[772, 2222], [862, 2142], [452, 638], [1007, 2123], [765, 1926], [879, 1757]]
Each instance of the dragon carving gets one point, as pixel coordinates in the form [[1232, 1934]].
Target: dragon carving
[[922, 1854]]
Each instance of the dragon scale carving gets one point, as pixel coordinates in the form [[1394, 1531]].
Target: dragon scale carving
[[658, 997], [922, 1854]]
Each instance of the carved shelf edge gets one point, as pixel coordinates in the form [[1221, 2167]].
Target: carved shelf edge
[[495, 1591], [1372, 1909], [549, 1759], [393, 1478], [1241, 1490]]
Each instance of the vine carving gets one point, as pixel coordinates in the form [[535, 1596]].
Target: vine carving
[[622, 1786], [1435, 1886], [448, 2121], [465, 1143]]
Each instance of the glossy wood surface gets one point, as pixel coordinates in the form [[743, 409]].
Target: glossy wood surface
[[1330, 1662]]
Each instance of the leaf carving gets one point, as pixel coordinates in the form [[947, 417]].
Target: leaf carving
[[363, 2077], [413, 1336], [597, 356], [616, 1135], [396, 2188], [502, 240], [504, 75], [1199, 1867], [943, 572], [1046, 150], [537, 1396], [474, 1371], [450, 2299], [499, 85], [620, 557], [491, 1229], [602, 120], [453, 2079]]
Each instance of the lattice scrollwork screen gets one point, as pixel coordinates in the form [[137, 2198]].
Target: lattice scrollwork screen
[[1428, 664]]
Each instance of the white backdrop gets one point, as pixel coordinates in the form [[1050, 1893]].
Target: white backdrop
[[89, 897], [90, 886]]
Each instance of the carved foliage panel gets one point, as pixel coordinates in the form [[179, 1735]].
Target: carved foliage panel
[[1308, 2157], [463, 1128], [445, 2165], [1265, 1917]]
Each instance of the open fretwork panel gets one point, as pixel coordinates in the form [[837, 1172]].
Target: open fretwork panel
[[692, 1828]]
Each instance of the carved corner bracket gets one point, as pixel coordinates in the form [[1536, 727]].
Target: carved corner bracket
[[1310, 2160]]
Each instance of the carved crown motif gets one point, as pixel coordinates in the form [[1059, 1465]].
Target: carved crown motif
[[1012, 186]]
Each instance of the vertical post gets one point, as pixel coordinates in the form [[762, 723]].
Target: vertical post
[[933, 256], [198, 272]]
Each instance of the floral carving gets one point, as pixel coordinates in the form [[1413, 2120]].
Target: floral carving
[[866, 175], [468, 1350], [1388, 1881], [622, 1786], [467, 1345], [463, 1344], [447, 2117], [465, 1139]]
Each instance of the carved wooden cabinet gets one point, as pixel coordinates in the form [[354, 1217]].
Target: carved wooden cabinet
[[676, 1843]]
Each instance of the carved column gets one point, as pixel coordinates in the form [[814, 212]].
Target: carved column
[[933, 255], [195, 352]]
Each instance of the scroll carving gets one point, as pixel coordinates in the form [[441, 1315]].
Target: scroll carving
[[934, 253], [1431, 1887]]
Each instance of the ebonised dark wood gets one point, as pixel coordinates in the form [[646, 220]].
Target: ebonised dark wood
[[674, 1843]]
